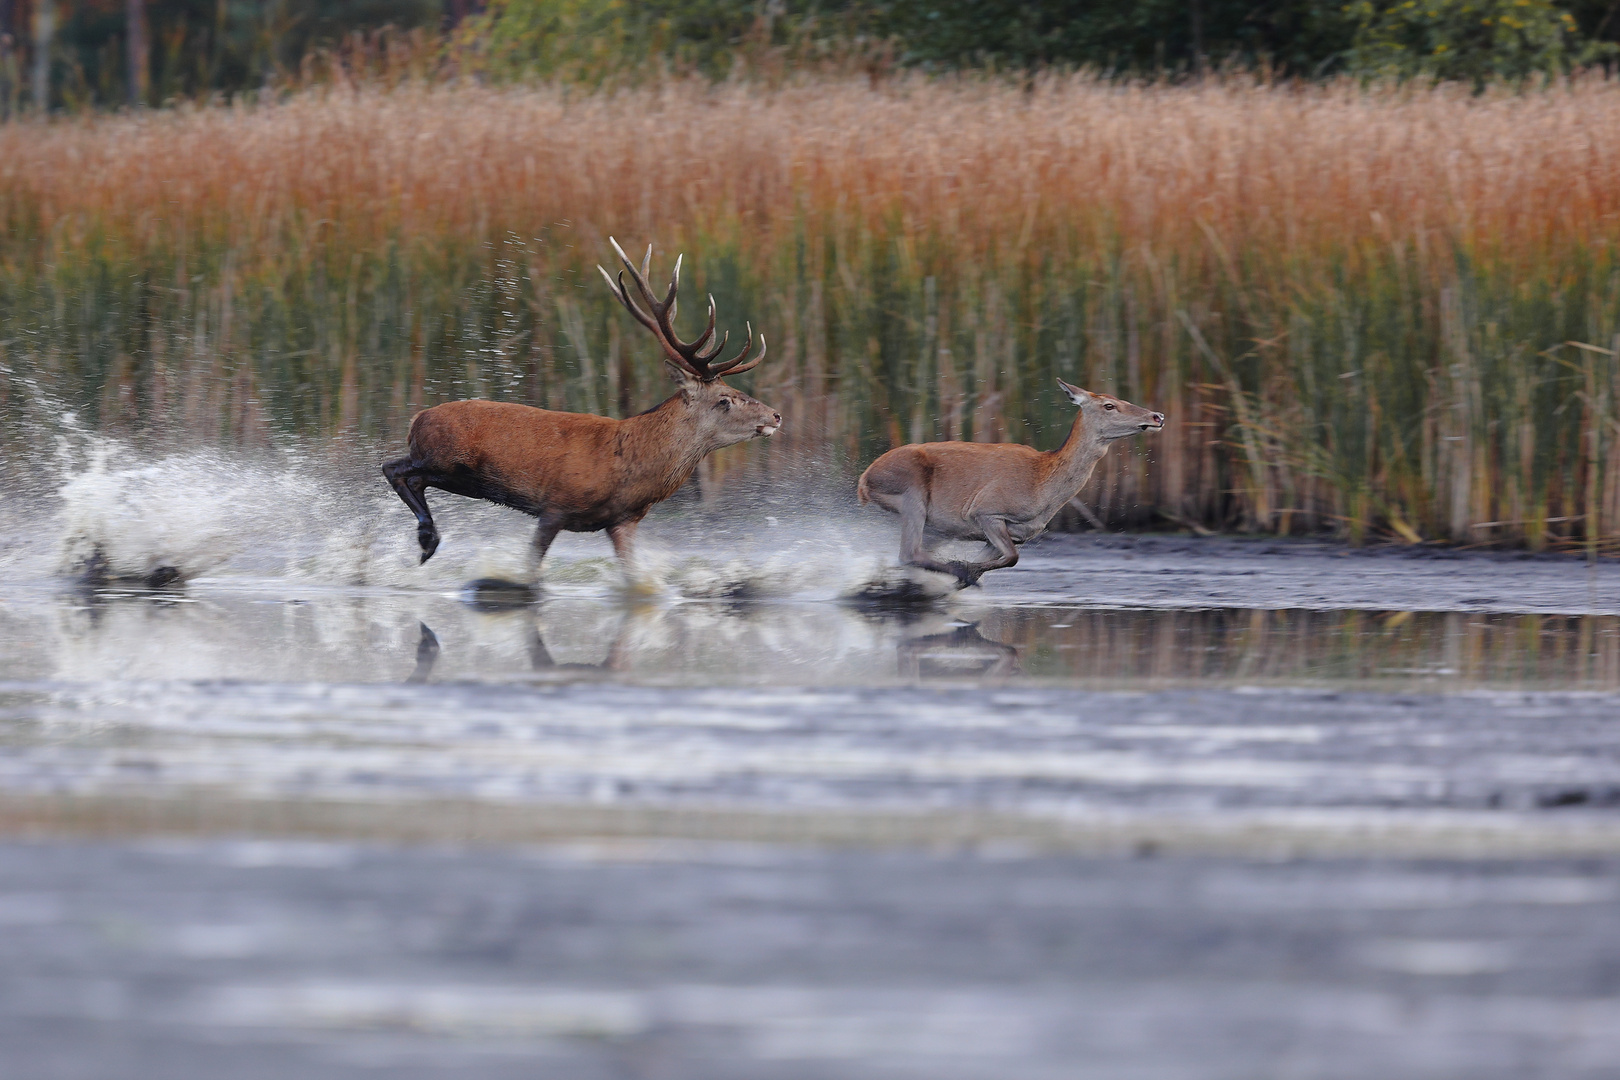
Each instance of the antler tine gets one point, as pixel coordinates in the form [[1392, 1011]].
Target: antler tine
[[624, 298], [708, 331], [637, 276], [671, 300], [709, 356], [689, 355], [658, 320], [691, 351], [703, 338], [731, 367], [617, 284]]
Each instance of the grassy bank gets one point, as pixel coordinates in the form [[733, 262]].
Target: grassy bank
[[1354, 305]]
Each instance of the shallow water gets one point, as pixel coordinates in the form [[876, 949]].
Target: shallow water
[[280, 632], [744, 662]]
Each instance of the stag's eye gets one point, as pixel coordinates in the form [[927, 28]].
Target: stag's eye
[[723, 403], [1109, 405]]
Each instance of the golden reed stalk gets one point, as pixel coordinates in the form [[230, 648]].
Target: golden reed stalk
[[1354, 303]]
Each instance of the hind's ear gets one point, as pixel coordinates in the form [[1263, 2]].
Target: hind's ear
[[1076, 395]]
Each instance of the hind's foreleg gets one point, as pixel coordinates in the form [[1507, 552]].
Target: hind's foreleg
[[410, 483]]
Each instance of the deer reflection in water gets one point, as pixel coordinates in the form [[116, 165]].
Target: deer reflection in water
[[960, 652], [499, 598], [728, 643], [540, 658]]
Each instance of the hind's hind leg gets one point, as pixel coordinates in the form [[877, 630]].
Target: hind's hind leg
[[914, 540], [408, 482]]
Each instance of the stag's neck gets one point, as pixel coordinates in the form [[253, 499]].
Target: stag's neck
[[660, 448], [1072, 463]]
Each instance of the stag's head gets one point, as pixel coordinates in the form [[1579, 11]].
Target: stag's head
[[723, 414], [1108, 417]]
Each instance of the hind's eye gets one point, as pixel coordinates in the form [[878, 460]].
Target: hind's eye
[[1109, 405]]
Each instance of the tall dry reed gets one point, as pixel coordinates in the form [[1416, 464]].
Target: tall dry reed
[[1354, 304]]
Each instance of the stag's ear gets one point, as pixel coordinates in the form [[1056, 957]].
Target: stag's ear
[[683, 378], [1076, 395]]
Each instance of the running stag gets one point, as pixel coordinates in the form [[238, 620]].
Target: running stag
[[580, 472]]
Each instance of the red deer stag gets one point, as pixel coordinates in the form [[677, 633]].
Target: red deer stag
[[1001, 493], [581, 472]]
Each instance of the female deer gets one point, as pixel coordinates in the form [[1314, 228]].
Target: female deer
[[1001, 493]]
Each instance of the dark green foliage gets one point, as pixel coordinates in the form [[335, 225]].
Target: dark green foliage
[[1303, 36], [1471, 40], [198, 48], [1462, 40]]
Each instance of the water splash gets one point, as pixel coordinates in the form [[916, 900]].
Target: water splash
[[116, 515]]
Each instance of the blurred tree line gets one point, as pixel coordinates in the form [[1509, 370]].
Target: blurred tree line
[[85, 53], [81, 53]]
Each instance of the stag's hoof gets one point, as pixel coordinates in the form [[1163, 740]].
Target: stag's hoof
[[163, 577], [428, 537], [967, 575], [499, 594]]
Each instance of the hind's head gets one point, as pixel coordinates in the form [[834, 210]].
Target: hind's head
[[1110, 417]]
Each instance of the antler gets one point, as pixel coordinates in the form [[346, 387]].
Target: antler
[[687, 355]]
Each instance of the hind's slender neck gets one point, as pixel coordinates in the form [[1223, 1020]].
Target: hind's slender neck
[[1073, 462], [1068, 469]]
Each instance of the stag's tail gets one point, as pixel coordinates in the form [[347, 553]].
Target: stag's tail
[[862, 492], [414, 431]]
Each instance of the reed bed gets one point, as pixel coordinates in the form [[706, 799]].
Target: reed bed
[[1382, 312]]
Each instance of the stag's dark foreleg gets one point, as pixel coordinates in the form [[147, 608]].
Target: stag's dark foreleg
[[409, 482]]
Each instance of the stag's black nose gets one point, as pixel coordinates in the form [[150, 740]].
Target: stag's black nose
[[777, 417], [1157, 418]]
